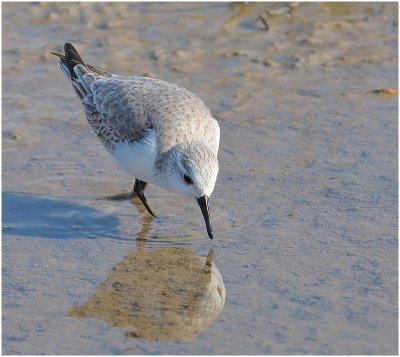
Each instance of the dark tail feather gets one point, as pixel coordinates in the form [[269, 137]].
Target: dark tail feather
[[75, 69], [72, 58], [67, 64]]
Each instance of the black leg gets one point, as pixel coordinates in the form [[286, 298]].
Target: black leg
[[139, 190]]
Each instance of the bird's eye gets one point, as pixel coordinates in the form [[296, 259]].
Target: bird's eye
[[188, 180]]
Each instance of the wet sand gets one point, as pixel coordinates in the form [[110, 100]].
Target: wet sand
[[304, 259]]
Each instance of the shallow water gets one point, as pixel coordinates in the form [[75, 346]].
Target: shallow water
[[304, 209]]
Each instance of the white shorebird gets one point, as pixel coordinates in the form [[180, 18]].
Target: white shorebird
[[156, 131]]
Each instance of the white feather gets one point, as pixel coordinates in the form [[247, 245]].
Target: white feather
[[138, 158]]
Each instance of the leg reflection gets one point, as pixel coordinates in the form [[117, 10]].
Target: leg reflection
[[147, 219]]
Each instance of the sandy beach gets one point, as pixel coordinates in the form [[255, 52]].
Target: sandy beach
[[304, 258]]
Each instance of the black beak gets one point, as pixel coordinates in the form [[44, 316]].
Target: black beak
[[203, 203]]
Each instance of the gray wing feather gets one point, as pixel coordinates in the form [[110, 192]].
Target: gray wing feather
[[114, 110], [125, 108]]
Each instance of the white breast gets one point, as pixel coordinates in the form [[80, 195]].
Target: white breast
[[138, 158], [216, 136]]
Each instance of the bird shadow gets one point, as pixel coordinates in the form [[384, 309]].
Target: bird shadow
[[134, 199], [122, 196], [33, 215]]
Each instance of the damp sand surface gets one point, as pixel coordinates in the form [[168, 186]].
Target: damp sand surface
[[304, 259]]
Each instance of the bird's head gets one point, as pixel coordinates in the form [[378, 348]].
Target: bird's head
[[191, 170]]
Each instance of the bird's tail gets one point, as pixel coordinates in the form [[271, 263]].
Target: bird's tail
[[77, 71]]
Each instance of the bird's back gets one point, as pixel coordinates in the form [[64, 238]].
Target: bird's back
[[147, 103], [125, 109]]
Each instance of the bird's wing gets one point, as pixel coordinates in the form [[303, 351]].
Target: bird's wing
[[115, 110], [112, 104]]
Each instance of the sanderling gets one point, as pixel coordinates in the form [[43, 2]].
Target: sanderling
[[156, 131]]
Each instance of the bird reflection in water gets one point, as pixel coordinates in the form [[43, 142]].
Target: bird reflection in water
[[160, 294]]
